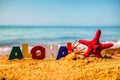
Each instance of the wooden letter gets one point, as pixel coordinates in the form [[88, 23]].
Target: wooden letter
[[62, 52], [51, 50], [15, 53], [25, 51], [35, 53], [69, 47]]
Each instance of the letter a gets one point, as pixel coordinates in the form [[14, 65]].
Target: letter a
[[15, 53], [62, 52]]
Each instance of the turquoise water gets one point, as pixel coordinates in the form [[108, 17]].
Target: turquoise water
[[35, 35]]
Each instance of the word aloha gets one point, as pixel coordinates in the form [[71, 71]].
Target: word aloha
[[37, 52], [94, 47]]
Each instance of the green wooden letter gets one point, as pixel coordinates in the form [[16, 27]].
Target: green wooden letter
[[16, 53]]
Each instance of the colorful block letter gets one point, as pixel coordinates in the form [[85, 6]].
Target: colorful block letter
[[62, 52], [51, 50], [15, 53], [34, 52], [25, 51], [69, 47]]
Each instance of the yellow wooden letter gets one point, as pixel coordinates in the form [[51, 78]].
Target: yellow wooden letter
[[25, 51]]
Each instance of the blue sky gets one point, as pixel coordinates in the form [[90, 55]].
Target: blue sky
[[60, 12]]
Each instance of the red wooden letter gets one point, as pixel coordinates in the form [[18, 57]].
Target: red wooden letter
[[69, 47], [34, 52]]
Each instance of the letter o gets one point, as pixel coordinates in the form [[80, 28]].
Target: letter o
[[35, 49]]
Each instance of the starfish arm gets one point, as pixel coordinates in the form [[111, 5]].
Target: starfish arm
[[97, 36], [85, 42], [89, 51], [98, 55], [106, 45]]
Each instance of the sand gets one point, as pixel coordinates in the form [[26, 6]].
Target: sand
[[90, 68]]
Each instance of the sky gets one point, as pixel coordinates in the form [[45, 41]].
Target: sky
[[60, 12]]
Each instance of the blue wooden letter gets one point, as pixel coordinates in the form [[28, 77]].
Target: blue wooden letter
[[62, 52]]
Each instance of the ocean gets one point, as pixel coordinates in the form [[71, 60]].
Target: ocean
[[49, 35], [36, 35]]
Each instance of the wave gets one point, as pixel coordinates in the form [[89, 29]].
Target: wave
[[115, 44]]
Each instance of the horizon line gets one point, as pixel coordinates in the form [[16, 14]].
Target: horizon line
[[62, 25]]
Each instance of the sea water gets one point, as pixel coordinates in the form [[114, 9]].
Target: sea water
[[43, 35], [36, 35]]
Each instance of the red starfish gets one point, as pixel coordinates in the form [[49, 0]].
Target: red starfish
[[94, 46]]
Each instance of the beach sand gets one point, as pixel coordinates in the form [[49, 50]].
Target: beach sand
[[90, 68]]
